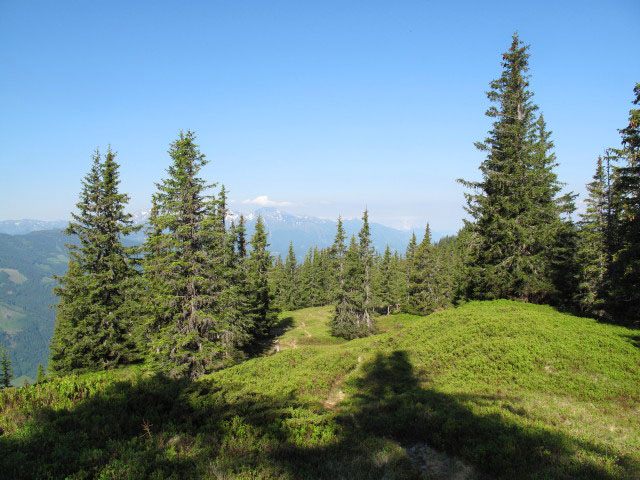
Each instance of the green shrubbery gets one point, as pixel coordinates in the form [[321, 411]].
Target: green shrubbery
[[517, 390]]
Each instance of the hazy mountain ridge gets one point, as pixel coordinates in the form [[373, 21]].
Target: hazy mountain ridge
[[304, 231]]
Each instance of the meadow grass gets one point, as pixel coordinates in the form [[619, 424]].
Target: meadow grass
[[488, 390]]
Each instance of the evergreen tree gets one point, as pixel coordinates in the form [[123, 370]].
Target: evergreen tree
[[355, 300], [180, 266], [348, 321], [366, 258], [625, 269], [516, 209], [290, 292], [231, 291], [6, 374], [337, 255], [593, 258], [408, 267], [95, 312], [261, 307], [240, 232], [306, 286], [40, 377], [385, 277], [425, 295]]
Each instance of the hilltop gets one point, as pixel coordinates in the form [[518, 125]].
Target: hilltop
[[489, 390]]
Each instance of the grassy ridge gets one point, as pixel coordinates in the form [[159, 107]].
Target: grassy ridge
[[498, 389]]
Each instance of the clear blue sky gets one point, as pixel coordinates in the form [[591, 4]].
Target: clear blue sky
[[323, 106]]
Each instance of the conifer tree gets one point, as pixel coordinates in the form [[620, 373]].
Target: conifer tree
[[95, 311], [366, 258], [306, 287], [41, 376], [516, 209], [355, 300], [408, 267], [593, 256], [231, 296], [625, 269], [425, 293], [291, 281], [337, 254], [180, 265], [385, 282], [348, 321], [6, 374], [261, 308], [240, 232]]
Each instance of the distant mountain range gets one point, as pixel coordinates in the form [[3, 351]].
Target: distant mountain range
[[304, 231], [20, 227]]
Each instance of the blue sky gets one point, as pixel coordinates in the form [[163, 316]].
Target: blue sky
[[320, 107]]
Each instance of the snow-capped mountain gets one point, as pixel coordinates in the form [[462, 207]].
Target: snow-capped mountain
[[20, 227], [304, 231]]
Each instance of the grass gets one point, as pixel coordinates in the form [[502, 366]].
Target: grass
[[489, 390], [10, 320], [14, 275]]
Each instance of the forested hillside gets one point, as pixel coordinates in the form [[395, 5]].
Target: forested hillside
[[28, 264]]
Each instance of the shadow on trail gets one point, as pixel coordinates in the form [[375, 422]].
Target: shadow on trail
[[160, 428], [266, 344]]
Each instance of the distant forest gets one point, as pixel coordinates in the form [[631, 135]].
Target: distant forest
[[199, 295]]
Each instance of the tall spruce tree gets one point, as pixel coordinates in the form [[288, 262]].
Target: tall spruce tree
[[230, 290], [422, 294], [337, 255], [41, 377], [384, 282], [516, 210], [6, 374], [260, 303], [348, 320], [625, 269], [292, 283], [593, 256], [366, 258], [181, 260], [355, 299], [95, 313]]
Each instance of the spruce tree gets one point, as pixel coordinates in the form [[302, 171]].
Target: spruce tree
[[261, 308], [337, 255], [425, 279], [625, 269], [408, 267], [348, 321], [355, 302], [227, 252], [593, 258], [41, 376], [385, 276], [366, 258], [6, 374], [517, 213], [95, 311], [180, 268], [291, 281]]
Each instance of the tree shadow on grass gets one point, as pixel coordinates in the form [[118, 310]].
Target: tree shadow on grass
[[633, 339], [161, 428], [266, 344]]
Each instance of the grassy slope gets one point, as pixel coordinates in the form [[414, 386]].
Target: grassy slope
[[518, 391]]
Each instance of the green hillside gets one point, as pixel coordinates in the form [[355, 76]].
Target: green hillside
[[27, 265], [488, 390]]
